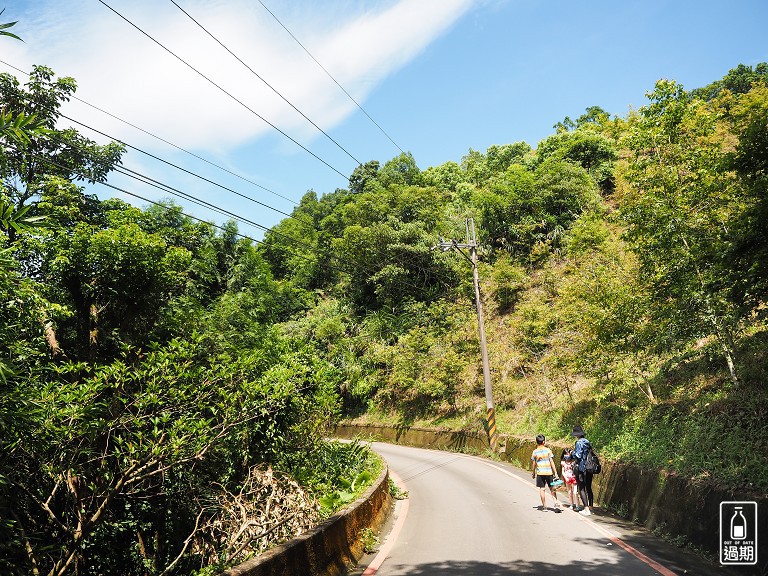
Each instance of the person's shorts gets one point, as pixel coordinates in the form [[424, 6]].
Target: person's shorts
[[542, 481]]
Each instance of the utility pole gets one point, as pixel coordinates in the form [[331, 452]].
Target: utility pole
[[471, 245]]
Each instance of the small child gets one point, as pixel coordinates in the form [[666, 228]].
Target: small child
[[543, 469], [566, 467]]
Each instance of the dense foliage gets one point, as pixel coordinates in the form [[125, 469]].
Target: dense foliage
[[159, 375], [623, 262], [146, 388]]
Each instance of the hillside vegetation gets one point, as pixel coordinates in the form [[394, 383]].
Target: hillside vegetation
[[160, 375], [624, 278]]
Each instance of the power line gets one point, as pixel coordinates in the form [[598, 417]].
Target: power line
[[161, 205], [220, 43], [166, 188], [320, 252], [155, 136], [205, 204], [214, 225], [184, 195], [230, 172], [171, 164], [232, 96], [178, 167], [176, 192], [190, 198], [147, 180], [327, 257], [330, 76]]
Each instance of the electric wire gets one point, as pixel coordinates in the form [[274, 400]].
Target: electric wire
[[245, 106], [223, 211], [175, 192], [330, 76], [167, 208], [205, 204], [185, 195], [327, 257], [171, 190], [177, 167], [171, 164], [232, 96], [147, 132], [161, 205], [190, 198], [220, 43], [202, 203]]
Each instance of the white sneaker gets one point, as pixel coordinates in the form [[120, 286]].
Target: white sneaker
[[585, 512]]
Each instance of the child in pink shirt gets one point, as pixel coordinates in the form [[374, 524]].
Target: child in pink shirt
[[566, 467]]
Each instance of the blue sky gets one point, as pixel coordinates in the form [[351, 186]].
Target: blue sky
[[439, 76]]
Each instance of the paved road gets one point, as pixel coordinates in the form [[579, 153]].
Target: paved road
[[471, 516]]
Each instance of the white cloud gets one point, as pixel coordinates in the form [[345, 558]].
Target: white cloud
[[124, 72]]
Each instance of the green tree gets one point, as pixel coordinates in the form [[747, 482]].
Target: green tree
[[47, 151], [446, 177], [606, 332], [362, 174], [522, 207], [749, 258], [479, 167], [115, 467], [390, 262], [679, 212], [116, 281], [401, 170], [738, 80], [24, 319], [592, 150], [594, 116], [298, 248]]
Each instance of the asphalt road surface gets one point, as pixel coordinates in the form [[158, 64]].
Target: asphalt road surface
[[471, 516]]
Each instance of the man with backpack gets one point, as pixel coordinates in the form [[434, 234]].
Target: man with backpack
[[586, 466]]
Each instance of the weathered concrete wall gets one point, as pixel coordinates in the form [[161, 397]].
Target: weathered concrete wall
[[677, 505], [653, 498], [332, 546], [418, 437]]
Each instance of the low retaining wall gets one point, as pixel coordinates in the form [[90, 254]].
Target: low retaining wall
[[330, 548], [653, 498], [438, 439]]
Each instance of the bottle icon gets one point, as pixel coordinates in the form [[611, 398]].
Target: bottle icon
[[738, 525]]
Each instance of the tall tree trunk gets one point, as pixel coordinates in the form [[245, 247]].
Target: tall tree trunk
[[725, 339], [722, 333], [93, 331], [50, 338]]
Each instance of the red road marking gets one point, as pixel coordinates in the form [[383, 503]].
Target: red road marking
[[664, 571]]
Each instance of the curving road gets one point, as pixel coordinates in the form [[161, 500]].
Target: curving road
[[471, 516]]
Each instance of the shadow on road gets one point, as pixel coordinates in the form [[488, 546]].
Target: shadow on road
[[472, 568]]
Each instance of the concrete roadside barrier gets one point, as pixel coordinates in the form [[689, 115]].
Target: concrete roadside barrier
[[331, 547]]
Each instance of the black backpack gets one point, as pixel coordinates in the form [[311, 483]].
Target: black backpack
[[592, 462]]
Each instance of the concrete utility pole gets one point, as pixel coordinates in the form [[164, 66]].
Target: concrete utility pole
[[471, 245]]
